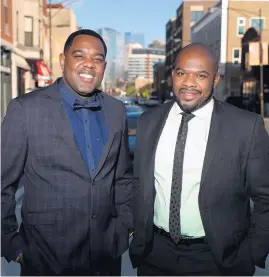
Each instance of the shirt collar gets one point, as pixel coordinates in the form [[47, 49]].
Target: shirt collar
[[70, 97], [201, 113]]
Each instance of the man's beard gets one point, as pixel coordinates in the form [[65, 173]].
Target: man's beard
[[199, 104]]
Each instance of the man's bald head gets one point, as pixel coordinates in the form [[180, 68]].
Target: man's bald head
[[200, 50], [195, 76]]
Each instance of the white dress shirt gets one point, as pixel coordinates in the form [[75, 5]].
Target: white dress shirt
[[198, 130]]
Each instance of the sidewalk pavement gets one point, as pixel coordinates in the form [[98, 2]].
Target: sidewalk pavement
[[266, 121]]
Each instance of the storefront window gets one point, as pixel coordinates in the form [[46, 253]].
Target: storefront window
[[6, 93], [5, 58]]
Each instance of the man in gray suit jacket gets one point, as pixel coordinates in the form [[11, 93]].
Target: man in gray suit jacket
[[197, 164], [67, 144]]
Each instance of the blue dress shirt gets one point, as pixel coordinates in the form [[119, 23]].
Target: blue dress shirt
[[88, 123]]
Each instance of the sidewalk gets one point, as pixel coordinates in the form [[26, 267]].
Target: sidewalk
[[266, 121]]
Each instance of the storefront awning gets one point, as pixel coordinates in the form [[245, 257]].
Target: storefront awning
[[43, 74]]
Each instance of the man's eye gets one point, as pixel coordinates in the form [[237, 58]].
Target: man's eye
[[180, 73], [99, 60], [78, 56], [201, 76]]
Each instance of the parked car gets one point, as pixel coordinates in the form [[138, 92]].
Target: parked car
[[153, 101], [133, 109], [127, 100], [133, 114]]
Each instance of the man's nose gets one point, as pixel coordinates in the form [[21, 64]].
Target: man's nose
[[190, 80], [89, 63]]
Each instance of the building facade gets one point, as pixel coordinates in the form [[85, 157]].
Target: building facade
[[63, 21], [128, 48], [6, 53], [134, 37], [157, 44], [170, 54], [141, 62], [222, 29], [159, 80], [28, 68], [115, 57], [178, 31]]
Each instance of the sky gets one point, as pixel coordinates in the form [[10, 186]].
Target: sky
[[145, 16]]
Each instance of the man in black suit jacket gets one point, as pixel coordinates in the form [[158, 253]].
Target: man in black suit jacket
[[67, 144], [197, 164]]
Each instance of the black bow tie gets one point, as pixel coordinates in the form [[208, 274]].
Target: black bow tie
[[94, 105]]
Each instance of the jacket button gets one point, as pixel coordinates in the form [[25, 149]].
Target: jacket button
[[93, 216]]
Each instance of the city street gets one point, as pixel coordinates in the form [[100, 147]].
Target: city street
[[13, 269]]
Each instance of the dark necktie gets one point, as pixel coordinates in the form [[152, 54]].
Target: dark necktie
[[92, 105], [174, 216]]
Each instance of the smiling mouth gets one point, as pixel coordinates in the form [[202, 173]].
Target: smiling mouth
[[87, 78], [189, 95]]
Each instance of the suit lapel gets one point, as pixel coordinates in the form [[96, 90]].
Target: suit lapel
[[214, 139], [63, 126], [111, 129]]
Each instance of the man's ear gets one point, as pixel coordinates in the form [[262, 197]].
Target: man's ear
[[216, 79], [62, 60]]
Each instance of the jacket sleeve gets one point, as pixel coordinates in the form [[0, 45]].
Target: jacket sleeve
[[14, 151], [257, 175], [136, 173], [123, 181]]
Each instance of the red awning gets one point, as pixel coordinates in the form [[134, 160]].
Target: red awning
[[43, 74]]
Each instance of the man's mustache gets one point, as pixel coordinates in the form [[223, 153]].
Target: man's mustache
[[191, 90]]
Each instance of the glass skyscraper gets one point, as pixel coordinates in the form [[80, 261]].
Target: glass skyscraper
[[134, 37], [115, 49]]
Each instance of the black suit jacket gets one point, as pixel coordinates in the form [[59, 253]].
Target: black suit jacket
[[68, 218], [236, 168]]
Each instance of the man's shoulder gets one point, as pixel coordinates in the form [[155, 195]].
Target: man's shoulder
[[236, 113], [110, 98], [112, 101], [154, 112], [36, 94]]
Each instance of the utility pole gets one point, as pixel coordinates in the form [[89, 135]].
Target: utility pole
[[261, 66], [50, 36]]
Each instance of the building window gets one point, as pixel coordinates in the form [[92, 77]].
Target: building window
[[6, 27], [5, 93], [236, 55], [196, 15], [241, 22], [5, 58], [257, 23], [28, 31]]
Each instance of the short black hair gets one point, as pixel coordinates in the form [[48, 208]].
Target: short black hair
[[86, 32]]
